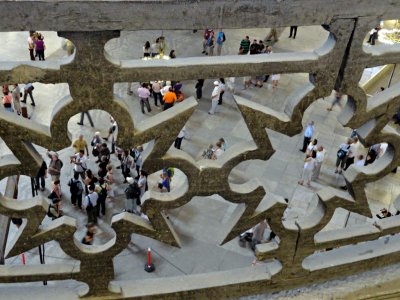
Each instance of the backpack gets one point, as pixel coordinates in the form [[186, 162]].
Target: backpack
[[342, 153], [103, 191], [223, 37], [132, 191]]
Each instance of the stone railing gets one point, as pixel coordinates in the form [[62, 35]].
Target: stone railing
[[91, 75]]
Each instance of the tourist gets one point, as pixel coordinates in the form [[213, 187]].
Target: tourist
[[373, 35], [90, 204], [218, 151], [223, 144], [40, 47], [7, 102], [31, 45], [342, 154], [132, 195], [336, 100], [214, 98], [308, 133], [127, 163], [55, 190], [55, 165], [221, 90], [373, 153], [244, 45], [351, 154], [172, 54], [90, 180], [40, 177], [54, 210], [104, 155], [199, 88], [164, 185], [293, 32], [83, 117], [156, 87], [153, 51], [111, 133], [137, 158], [275, 80], [179, 138], [210, 44], [80, 144], [147, 49], [169, 99], [258, 234], [76, 190], [254, 48], [319, 159], [28, 89], [312, 146], [109, 178], [102, 191], [79, 161], [89, 236], [309, 164], [220, 41], [206, 36], [96, 144], [360, 161], [142, 182], [144, 93], [16, 96], [209, 152], [384, 214]]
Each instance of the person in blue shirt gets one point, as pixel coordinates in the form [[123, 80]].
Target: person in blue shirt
[[220, 41], [308, 133]]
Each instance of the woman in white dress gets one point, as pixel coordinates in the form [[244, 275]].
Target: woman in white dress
[[307, 170]]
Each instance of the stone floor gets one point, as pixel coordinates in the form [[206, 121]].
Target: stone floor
[[202, 223]]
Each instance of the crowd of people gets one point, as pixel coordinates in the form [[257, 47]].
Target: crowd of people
[[90, 189]]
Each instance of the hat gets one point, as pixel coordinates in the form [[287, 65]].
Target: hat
[[130, 180], [216, 82], [97, 133]]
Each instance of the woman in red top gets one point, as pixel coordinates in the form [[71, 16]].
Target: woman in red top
[[7, 102]]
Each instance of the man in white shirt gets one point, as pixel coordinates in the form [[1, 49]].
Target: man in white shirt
[[318, 163], [90, 204], [156, 87], [214, 98], [79, 161], [178, 140], [144, 93]]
